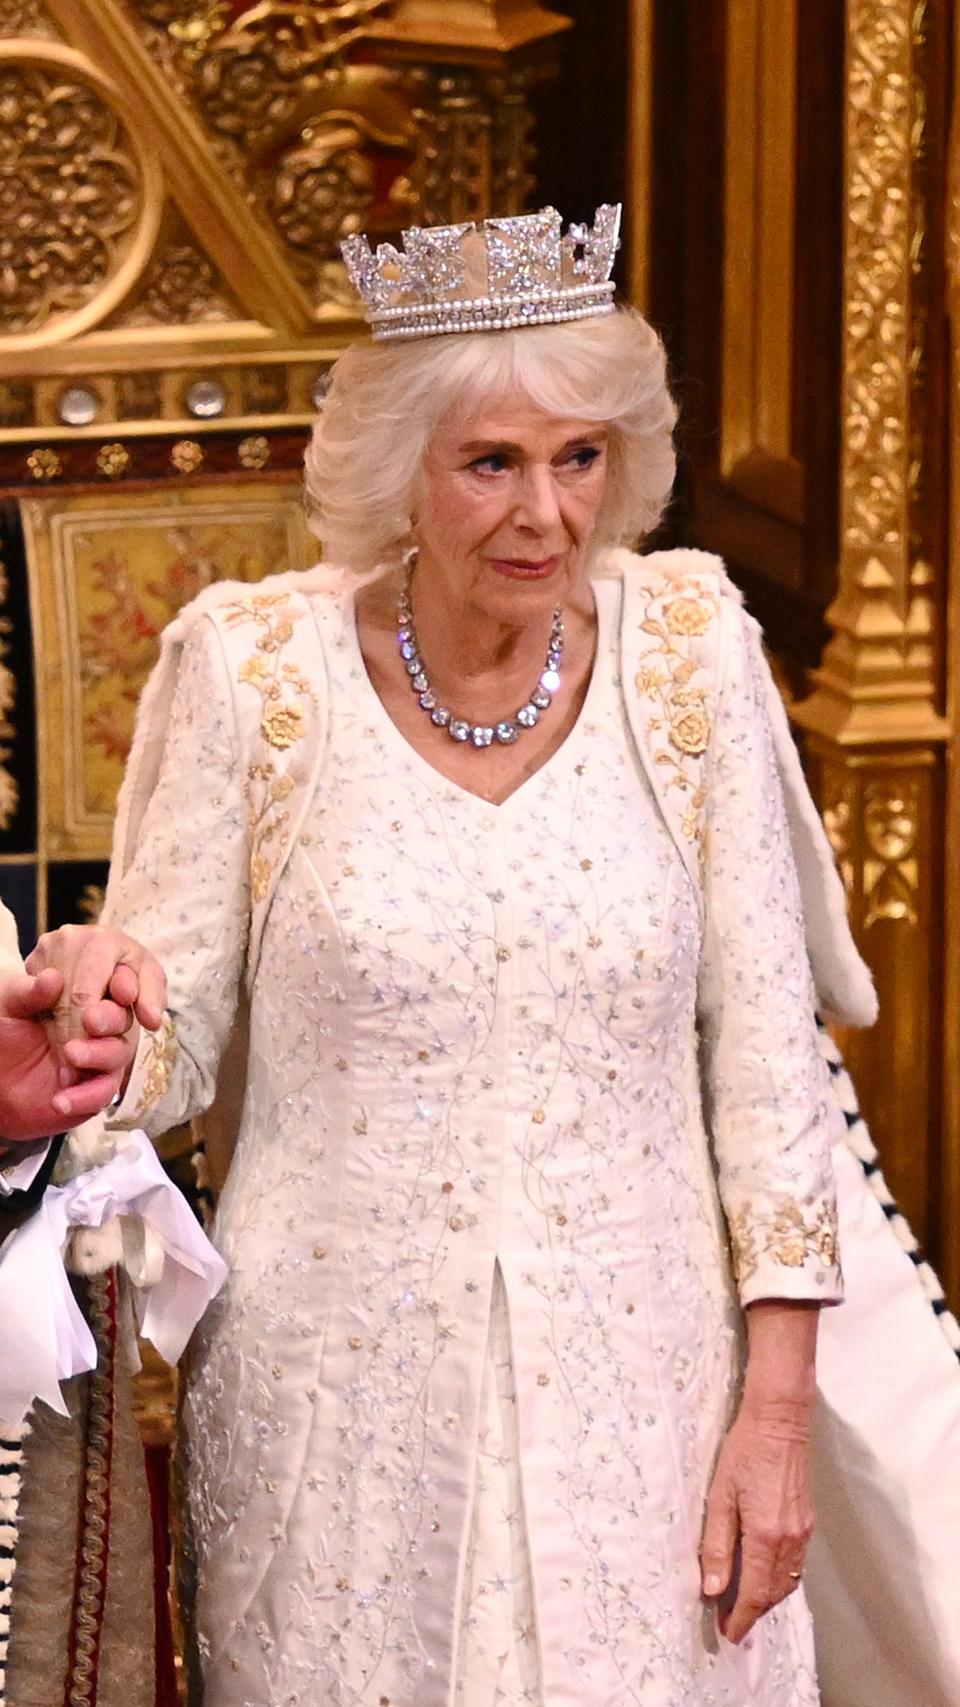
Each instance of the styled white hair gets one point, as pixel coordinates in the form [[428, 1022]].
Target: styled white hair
[[386, 401]]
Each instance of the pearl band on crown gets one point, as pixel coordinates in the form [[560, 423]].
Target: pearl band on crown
[[503, 274]]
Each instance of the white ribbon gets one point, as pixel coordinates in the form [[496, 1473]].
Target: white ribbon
[[44, 1338]]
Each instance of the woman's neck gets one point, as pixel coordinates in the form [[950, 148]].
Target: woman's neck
[[473, 656]]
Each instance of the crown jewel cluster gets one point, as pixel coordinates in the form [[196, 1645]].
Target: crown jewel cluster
[[521, 271]]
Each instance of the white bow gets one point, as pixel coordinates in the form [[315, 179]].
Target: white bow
[[44, 1338]]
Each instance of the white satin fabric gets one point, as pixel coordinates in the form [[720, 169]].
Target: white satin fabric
[[46, 1338]]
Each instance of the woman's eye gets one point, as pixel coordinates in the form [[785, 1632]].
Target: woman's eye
[[495, 463], [584, 456]]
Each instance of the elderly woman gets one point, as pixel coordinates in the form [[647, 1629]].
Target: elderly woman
[[531, 1213]]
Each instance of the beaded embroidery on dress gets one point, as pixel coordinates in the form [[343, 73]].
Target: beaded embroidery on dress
[[451, 1423]]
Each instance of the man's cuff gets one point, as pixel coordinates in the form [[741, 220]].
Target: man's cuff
[[17, 1174], [22, 1190]]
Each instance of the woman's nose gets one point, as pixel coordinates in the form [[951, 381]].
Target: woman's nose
[[538, 504]]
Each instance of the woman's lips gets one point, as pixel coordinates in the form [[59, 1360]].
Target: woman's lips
[[519, 570]]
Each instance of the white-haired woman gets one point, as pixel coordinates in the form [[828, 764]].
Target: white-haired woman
[[520, 926]]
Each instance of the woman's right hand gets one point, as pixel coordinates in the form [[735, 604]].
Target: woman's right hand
[[111, 986]]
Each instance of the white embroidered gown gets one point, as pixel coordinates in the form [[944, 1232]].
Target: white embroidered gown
[[452, 1421]]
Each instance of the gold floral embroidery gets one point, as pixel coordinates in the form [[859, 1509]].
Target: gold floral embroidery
[[785, 1237], [158, 1063], [282, 725], [691, 733], [687, 616], [284, 695], [260, 869], [667, 675]]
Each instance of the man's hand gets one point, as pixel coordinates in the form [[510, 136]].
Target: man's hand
[[34, 1100]]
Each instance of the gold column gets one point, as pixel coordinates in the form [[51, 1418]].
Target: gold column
[[874, 728]]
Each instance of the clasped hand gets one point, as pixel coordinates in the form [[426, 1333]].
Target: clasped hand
[[69, 1027]]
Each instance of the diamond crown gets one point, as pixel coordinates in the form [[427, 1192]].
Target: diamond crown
[[505, 273]]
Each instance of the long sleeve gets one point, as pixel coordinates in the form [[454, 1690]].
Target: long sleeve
[[185, 893], [766, 1084]]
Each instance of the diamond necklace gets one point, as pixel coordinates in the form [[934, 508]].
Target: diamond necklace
[[460, 728]]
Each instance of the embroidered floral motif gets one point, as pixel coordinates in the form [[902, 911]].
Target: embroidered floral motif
[[691, 733], [668, 677], [158, 1063], [282, 725], [284, 693], [687, 616], [785, 1237]]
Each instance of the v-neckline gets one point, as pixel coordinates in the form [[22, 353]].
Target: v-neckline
[[437, 777]]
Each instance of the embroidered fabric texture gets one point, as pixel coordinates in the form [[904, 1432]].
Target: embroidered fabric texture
[[463, 1391]]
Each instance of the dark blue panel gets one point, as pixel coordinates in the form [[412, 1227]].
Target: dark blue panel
[[18, 891]]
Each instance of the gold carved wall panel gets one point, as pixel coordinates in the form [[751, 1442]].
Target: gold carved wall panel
[[193, 167], [876, 724]]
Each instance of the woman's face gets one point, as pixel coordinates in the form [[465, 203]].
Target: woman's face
[[508, 502]]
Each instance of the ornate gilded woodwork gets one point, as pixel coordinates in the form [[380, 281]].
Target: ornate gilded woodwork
[[26, 18], [80, 194], [874, 725], [191, 166]]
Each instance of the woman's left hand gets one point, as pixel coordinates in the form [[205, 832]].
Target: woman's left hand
[[759, 1500]]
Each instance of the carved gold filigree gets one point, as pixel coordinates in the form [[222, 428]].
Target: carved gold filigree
[[253, 71], [25, 18], [70, 195], [880, 118], [323, 187], [113, 460], [180, 288], [187, 456], [891, 872], [254, 452], [44, 464], [452, 178], [513, 150]]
